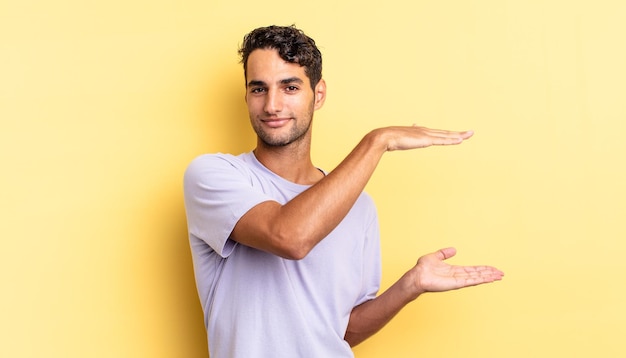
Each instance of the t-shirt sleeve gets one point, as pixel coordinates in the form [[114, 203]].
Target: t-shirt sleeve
[[218, 191], [372, 270]]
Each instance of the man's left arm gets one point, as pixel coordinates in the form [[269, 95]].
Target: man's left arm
[[430, 274]]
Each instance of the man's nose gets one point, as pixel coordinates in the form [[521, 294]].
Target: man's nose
[[273, 102]]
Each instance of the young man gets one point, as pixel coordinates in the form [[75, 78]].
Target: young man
[[286, 256]]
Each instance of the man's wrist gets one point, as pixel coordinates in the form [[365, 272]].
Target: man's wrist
[[377, 140], [410, 287]]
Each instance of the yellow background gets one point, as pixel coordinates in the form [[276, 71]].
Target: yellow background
[[103, 104]]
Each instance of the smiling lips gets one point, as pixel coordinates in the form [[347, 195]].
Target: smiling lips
[[275, 122]]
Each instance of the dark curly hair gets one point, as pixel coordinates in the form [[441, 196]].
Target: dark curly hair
[[292, 45]]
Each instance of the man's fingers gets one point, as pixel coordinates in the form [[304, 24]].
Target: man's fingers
[[444, 132], [447, 140], [445, 137], [446, 253]]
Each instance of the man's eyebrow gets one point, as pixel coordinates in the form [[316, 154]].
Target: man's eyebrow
[[297, 80], [286, 81], [256, 83]]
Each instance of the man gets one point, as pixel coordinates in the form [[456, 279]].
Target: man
[[286, 256]]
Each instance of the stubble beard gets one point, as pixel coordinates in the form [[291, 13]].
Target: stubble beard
[[295, 134]]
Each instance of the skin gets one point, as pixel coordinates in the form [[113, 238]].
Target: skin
[[281, 104]]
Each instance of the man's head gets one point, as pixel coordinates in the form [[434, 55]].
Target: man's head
[[292, 45]]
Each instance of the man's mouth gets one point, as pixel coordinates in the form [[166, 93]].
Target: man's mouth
[[275, 122]]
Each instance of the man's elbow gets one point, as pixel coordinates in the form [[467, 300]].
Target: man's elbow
[[295, 255], [294, 251], [354, 339], [293, 245]]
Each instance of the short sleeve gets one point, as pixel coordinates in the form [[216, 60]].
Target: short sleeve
[[372, 270], [218, 191]]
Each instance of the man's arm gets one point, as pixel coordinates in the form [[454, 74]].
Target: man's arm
[[293, 229], [430, 274]]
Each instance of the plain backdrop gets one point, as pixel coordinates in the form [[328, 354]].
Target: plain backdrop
[[103, 104]]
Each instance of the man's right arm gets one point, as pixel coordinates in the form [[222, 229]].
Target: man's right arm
[[293, 229]]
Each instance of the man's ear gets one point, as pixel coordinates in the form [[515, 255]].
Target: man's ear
[[320, 94]]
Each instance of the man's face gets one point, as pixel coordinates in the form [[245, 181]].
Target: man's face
[[280, 99]]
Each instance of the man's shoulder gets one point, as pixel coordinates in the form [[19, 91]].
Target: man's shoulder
[[215, 165], [217, 161]]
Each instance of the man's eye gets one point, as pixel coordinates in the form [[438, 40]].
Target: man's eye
[[257, 90], [291, 88]]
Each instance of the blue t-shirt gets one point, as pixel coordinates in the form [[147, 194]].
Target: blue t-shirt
[[257, 304]]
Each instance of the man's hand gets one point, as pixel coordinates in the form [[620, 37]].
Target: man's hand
[[433, 274], [404, 138]]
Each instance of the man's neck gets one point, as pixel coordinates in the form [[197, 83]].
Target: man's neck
[[292, 163]]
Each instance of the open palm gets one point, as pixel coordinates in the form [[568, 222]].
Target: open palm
[[433, 274]]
